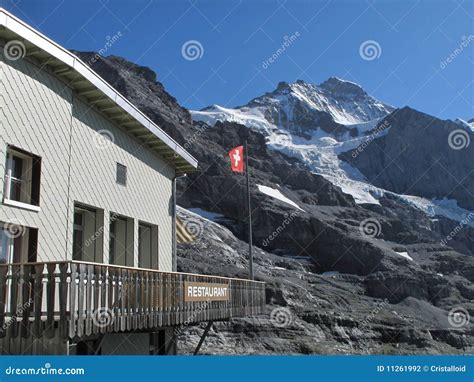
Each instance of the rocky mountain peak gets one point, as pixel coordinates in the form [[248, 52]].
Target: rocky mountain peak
[[337, 85], [282, 85], [140, 85], [143, 71]]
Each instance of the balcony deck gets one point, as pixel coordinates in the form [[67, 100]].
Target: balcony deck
[[73, 299]]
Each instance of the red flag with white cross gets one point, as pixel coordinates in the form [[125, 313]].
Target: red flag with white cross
[[236, 156], [237, 159]]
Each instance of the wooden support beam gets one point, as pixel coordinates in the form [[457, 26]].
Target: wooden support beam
[[128, 123], [137, 129], [62, 70], [87, 91], [203, 337], [107, 109], [145, 135], [79, 80], [95, 100], [112, 115], [34, 51], [47, 61]]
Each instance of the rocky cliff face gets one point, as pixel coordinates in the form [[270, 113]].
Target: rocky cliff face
[[323, 313], [352, 277], [420, 155]]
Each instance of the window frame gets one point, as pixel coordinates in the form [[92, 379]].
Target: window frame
[[129, 239], [153, 244], [18, 249], [92, 234], [29, 161]]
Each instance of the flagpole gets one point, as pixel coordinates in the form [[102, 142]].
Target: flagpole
[[249, 209]]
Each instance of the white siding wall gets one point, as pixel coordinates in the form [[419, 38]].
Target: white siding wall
[[36, 115], [41, 115]]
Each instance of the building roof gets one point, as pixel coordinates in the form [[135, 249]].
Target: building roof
[[93, 89]]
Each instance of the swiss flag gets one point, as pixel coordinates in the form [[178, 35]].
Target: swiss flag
[[236, 156]]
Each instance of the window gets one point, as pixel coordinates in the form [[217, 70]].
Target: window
[[121, 174], [87, 240], [147, 246], [121, 240], [22, 178], [18, 244]]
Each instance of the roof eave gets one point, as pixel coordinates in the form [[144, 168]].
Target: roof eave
[[180, 159]]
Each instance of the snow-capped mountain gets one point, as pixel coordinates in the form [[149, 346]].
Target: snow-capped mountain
[[336, 106], [316, 124]]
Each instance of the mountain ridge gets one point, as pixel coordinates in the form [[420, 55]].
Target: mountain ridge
[[318, 131]]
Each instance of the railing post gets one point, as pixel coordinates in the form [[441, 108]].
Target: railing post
[[27, 300], [80, 300], [89, 310], [3, 294], [38, 299], [15, 275], [72, 301], [50, 298], [63, 268]]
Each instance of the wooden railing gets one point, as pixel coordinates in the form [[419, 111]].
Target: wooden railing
[[81, 299]]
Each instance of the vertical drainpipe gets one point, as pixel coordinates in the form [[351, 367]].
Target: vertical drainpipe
[[174, 249], [69, 217], [175, 261]]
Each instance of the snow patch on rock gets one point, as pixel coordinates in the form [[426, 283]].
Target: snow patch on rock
[[277, 195]]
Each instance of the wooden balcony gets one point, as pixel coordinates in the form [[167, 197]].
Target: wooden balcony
[[73, 299]]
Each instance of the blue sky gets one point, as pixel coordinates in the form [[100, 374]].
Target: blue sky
[[411, 40]]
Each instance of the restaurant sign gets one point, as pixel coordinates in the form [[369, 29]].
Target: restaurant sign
[[198, 291]]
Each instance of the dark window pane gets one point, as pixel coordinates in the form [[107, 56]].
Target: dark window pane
[[16, 189], [36, 181], [77, 245], [112, 242], [78, 218], [17, 167], [78, 236], [121, 174]]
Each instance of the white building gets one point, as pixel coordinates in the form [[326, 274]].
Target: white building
[[87, 213]]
